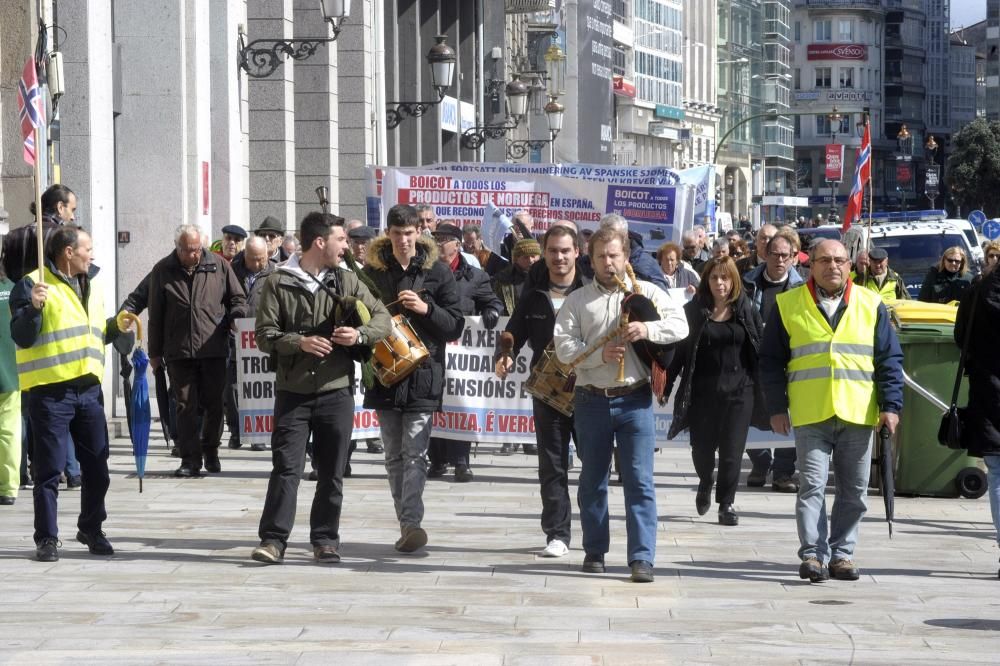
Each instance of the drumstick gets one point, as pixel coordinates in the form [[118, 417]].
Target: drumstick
[[396, 302], [506, 347]]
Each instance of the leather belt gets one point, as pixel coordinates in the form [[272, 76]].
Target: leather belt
[[617, 391]]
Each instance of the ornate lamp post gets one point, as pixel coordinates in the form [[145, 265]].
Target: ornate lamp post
[[261, 57], [441, 59]]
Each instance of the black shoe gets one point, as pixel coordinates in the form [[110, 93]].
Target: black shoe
[[48, 550], [757, 477], [703, 499], [727, 515], [375, 446], [187, 472], [530, 450], [313, 475], [212, 463], [96, 543], [593, 563], [175, 452], [784, 484], [234, 442], [642, 571], [258, 446], [463, 474], [74, 481], [348, 472], [436, 471], [6, 500], [506, 449], [813, 570]]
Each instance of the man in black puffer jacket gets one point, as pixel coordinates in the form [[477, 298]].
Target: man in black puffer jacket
[[476, 297], [404, 268]]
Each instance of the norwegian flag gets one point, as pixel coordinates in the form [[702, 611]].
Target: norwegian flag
[[862, 175], [30, 108]]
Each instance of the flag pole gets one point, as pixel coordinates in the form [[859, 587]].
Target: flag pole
[[39, 230]]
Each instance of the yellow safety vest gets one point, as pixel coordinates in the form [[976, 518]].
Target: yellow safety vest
[[831, 373], [887, 292], [71, 342]]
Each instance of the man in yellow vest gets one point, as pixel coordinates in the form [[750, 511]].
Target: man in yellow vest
[[881, 279], [831, 366], [59, 328]]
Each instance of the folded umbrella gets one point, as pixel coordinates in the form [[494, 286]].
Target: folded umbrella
[[163, 400], [141, 417], [887, 480]]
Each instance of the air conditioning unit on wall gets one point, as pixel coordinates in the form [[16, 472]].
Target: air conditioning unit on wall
[[527, 6]]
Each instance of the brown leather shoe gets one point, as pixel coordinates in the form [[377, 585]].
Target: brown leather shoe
[[326, 554], [844, 569], [413, 538]]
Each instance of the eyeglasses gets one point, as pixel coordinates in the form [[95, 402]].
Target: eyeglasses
[[268, 236], [781, 256], [952, 260], [992, 257], [840, 261]]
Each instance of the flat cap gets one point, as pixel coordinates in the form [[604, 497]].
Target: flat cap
[[234, 230], [878, 254], [363, 233]]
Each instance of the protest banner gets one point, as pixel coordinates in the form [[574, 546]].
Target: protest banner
[[477, 405]]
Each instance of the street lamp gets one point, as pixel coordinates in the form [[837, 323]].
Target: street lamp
[[261, 57], [554, 112], [517, 106], [931, 146], [441, 59], [834, 119], [933, 175], [555, 67], [904, 141]]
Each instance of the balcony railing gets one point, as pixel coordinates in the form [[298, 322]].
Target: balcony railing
[[840, 4]]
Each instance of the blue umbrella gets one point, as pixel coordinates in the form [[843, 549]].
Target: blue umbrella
[[139, 402]]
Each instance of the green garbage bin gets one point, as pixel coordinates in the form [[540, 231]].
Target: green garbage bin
[[923, 465]]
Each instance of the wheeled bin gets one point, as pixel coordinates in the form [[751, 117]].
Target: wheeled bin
[[930, 359]]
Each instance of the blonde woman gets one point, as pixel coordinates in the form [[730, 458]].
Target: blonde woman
[[948, 280]]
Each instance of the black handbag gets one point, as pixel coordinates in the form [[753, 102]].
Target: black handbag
[[951, 432]]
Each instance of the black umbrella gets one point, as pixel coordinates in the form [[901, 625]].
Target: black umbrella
[[888, 482], [126, 373], [163, 401]]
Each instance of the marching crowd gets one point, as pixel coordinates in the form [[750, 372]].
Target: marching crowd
[[780, 337]]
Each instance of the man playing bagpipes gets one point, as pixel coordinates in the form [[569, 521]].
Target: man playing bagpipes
[[532, 322], [613, 399], [314, 319]]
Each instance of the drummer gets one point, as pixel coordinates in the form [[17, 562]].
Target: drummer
[[404, 268], [532, 322]]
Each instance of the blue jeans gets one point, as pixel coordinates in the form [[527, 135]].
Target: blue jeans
[[851, 448], [600, 422], [57, 412], [405, 436], [993, 481]]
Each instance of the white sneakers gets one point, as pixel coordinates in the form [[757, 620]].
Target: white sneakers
[[555, 548]]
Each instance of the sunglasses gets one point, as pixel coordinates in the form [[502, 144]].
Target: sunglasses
[[953, 261], [780, 256]]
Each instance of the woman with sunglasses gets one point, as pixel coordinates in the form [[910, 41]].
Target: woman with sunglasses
[[947, 281]]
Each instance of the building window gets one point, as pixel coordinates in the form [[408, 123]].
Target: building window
[[798, 126], [824, 77], [803, 173], [798, 32], [823, 31], [846, 77], [797, 78], [845, 31]]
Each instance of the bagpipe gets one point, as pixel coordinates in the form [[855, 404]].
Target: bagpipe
[[346, 311], [655, 356]]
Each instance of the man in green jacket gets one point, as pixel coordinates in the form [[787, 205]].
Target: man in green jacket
[[10, 403], [309, 319]]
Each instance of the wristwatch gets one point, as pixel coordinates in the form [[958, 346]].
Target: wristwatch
[[362, 338]]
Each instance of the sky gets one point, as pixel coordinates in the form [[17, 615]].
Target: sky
[[967, 12]]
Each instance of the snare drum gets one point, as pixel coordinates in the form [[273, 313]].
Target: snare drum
[[398, 354], [548, 381]]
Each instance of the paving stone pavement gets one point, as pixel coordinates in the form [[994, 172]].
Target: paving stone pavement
[[182, 589]]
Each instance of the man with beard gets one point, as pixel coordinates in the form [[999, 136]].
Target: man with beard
[[532, 322], [608, 412]]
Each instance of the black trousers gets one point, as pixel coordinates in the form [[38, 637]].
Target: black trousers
[[720, 423], [231, 400], [442, 451], [330, 418], [198, 383], [552, 434]]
